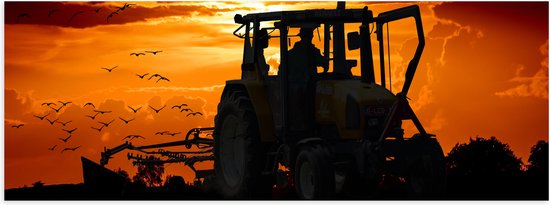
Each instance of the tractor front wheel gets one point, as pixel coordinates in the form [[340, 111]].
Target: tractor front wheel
[[314, 174]]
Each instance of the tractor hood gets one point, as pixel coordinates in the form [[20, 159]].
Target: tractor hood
[[352, 106]]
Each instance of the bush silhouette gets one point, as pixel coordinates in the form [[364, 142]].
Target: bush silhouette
[[174, 183], [38, 184], [123, 173]]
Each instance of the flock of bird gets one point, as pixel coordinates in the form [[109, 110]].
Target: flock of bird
[[102, 124], [96, 10], [142, 76], [57, 107]]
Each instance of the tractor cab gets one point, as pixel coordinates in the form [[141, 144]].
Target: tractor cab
[[310, 59]]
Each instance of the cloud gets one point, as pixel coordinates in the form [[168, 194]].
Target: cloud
[[175, 89], [530, 86], [14, 121], [437, 122], [16, 103], [23, 146]]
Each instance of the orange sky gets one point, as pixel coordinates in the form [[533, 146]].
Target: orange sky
[[484, 72]]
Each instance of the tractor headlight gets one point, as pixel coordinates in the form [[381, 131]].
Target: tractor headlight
[[352, 113]]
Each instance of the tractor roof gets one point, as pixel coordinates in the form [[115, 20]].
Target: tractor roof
[[315, 15]]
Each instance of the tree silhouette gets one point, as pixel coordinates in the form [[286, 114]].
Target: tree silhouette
[[150, 173], [537, 172], [538, 160], [484, 169], [482, 157]]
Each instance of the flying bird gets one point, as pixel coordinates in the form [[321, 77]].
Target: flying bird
[[74, 15], [64, 123], [110, 69], [64, 103], [97, 10], [90, 104], [92, 117], [194, 113], [102, 112], [157, 110], [98, 129], [161, 133], [126, 121], [173, 134], [141, 76], [106, 124], [153, 52], [71, 149], [111, 15], [135, 110], [126, 5], [179, 106], [186, 110], [70, 131], [131, 137], [52, 148], [154, 75], [66, 139], [163, 78], [56, 110], [137, 54], [41, 117], [51, 122], [48, 103], [17, 126], [52, 11], [22, 15]]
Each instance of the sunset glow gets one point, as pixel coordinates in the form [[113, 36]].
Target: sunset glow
[[484, 72]]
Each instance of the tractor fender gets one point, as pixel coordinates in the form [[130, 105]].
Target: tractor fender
[[257, 93]]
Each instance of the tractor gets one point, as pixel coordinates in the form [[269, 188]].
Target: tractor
[[323, 123], [329, 122]]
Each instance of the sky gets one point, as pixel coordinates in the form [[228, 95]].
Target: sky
[[484, 72]]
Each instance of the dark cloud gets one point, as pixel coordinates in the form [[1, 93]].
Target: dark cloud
[[517, 15], [38, 12]]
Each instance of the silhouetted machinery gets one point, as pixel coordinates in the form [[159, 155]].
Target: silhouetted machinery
[[333, 131]]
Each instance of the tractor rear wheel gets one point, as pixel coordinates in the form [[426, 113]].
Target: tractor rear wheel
[[314, 174], [238, 151], [426, 178]]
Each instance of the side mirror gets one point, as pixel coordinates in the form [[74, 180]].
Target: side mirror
[[263, 38], [353, 40], [238, 18]]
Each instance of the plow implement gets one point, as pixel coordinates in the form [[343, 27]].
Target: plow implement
[[198, 142]]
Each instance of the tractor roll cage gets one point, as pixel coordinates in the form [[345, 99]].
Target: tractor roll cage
[[341, 15]]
